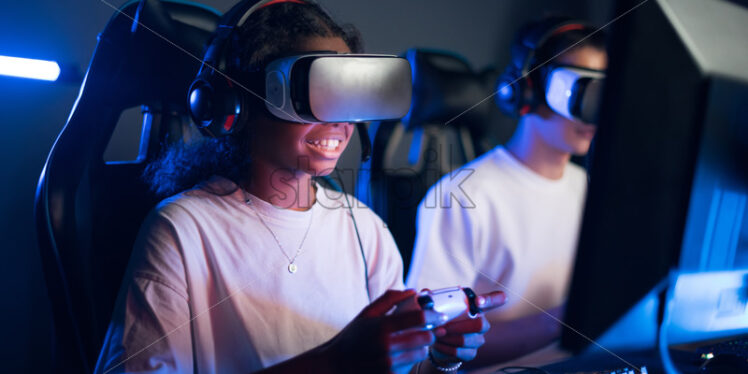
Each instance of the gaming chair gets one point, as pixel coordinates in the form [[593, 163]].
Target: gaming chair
[[437, 136], [88, 211]]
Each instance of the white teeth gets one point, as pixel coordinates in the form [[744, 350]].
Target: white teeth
[[328, 144]]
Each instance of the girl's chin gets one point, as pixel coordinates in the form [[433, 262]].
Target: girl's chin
[[321, 169]]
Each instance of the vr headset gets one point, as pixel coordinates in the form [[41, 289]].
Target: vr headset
[[309, 88], [328, 87], [574, 92]]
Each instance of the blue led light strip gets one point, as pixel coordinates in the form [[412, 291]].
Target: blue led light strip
[[29, 68]]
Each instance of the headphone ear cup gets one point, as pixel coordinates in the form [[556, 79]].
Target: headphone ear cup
[[201, 103], [215, 106], [230, 111], [509, 92], [535, 91]]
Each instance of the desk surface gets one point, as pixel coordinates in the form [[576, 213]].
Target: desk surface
[[550, 354], [553, 360]]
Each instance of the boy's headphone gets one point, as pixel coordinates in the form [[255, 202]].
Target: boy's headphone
[[516, 93], [216, 104]]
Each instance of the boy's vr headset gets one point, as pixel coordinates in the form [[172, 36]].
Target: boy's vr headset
[[574, 92]]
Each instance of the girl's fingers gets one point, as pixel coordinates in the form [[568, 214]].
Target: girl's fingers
[[409, 357], [384, 303], [491, 300], [463, 354], [463, 340], [417, 318], [410, 340], [467, 326]]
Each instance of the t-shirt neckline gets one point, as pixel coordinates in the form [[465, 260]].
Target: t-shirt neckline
[[220, 185], [529, 174]]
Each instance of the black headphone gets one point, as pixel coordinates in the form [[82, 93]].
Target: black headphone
[[516, 92], [216, 104]]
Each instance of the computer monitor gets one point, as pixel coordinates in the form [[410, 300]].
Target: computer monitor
[[669, 170]]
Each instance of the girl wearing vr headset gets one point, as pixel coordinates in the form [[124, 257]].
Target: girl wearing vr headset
[[519, 227], [258, 267]]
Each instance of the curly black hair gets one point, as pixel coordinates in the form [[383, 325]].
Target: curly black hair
[[269, 33]]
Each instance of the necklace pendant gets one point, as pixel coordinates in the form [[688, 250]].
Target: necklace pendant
[[292, 268]]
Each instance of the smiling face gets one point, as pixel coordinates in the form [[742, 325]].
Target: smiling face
[[561, 133], [312, 149]]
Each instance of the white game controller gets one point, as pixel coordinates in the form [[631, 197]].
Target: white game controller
[[452, 302]]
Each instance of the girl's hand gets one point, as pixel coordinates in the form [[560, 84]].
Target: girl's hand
[[375, 342], [460, 339]]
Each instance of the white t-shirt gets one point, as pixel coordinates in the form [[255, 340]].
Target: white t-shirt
[[496, 224], [208, 289]]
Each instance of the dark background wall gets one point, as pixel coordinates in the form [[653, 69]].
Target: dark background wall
[[33, 112]]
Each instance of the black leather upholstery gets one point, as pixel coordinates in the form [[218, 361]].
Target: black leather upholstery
[[443, 130], [88, 211]]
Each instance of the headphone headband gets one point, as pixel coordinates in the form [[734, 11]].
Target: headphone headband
[[514, 89], [215, 105], [540, 34], [232, 20], [259, 5]]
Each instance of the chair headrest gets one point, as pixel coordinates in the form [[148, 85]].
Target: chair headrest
[[444, 86], [147, 52]]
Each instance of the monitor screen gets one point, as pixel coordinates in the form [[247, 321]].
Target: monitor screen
[[668, 171]]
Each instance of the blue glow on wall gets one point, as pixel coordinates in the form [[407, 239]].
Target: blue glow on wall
[[29, 68]]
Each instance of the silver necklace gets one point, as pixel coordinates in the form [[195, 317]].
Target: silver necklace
[[292, 267]]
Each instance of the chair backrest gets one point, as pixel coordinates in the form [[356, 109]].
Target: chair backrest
[[443, 130], [88, 211]]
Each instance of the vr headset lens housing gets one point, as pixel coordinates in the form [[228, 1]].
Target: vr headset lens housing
[[575, 92], [321, 88]]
